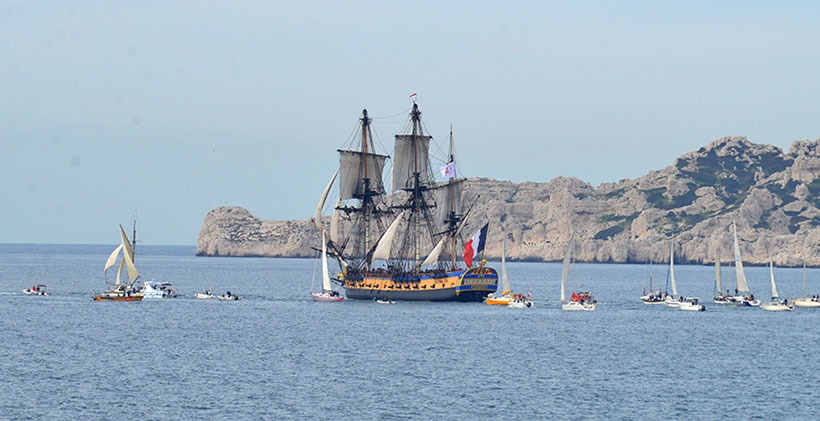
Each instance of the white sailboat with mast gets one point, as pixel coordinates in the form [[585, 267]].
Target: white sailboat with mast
[[777, 304], [805, 300], [653, 297], [328, 294], [672, 300], [578, 301], [742, 297], [720, 297]]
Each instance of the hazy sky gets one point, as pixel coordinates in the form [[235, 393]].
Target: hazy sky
[[174, 108]]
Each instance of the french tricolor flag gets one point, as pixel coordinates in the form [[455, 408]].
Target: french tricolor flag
[[475, 245]]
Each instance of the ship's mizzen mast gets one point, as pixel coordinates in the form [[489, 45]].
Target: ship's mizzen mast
[[452, 219]]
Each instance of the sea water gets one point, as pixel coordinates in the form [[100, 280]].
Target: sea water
[[275, 354]]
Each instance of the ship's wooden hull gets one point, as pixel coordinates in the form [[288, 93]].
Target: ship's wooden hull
[[472, 284]]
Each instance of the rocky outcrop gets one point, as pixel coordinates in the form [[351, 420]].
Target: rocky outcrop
[[774, 198]]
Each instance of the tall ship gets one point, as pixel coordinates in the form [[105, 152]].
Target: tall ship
[[408, 243]]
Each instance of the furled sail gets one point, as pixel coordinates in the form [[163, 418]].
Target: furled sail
[[565, 270], [505, 280], [354, 167], [318, 217], [742, 285], [411, 156], [672, 269], [383, 247]]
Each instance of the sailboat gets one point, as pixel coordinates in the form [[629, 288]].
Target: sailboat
[[805, 300], [719, 297], [507, 298], [742, 297], [776, 304], [579, 301], [382, 254], [682, 303], [122, 290], [672, 300], [327, 294], [653, 297]]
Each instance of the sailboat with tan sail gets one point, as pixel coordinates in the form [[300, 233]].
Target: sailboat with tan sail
[[121, 289]]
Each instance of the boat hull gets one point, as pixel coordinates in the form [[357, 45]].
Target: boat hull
[[806, 303], [498, 301], [776, 307], [325, 297], [466, 285], [128, 298], [519, 304], [576, 306]]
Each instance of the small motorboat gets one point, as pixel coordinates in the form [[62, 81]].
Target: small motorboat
[[384, 301], [520, 301], [208, 294], [691, 304], [228, 297], [36, 290], [520, 304], [154, 289]]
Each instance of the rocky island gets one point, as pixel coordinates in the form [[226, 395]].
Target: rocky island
[[774, 198]]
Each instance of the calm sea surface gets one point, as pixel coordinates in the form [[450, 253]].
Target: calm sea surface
[[275, 354]]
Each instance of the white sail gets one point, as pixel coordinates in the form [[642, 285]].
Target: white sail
[[318, 217], [718, 283], [771, 277], [112, 259], [432, 258], [742, 285], [128, 258], [383, 247], [672, 269], [505, 280], [804, 279], [326, 287], [334, 223], [565, 270]]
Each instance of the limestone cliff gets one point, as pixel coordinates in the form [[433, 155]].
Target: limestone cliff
[[773, 196]]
